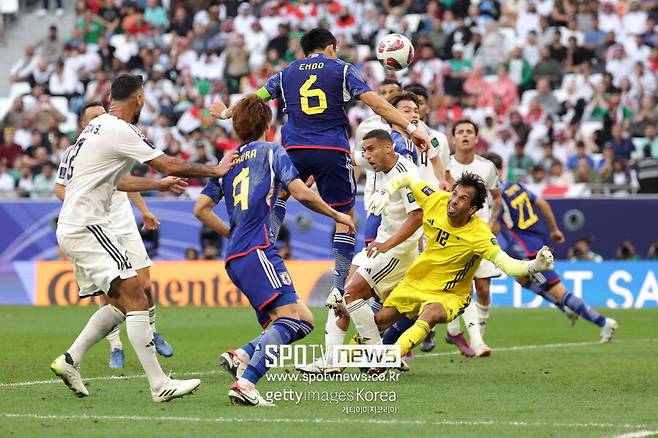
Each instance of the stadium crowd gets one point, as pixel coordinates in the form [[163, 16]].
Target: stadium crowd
[[563, 90]]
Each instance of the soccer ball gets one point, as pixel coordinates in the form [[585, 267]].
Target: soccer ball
[[395, 52]]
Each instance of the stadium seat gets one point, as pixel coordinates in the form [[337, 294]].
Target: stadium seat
[[5, 104], [587, 129], [19, 89]]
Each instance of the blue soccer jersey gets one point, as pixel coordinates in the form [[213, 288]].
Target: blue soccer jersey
[[314, 92], [526, 224], [404, 147], [251, 188]]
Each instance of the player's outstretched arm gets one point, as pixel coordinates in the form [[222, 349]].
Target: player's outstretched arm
[[150, 221], [547, 212], [203, 211], [379, 199], [544, 261], [312, 200], [131, 183], [394, 117], [171, 166], [411, 224]]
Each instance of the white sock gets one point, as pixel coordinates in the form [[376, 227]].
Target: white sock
[[141, 338], [454, 327], [114, 338], [364, 320], [152, 318], [483, 315], [98, 326], [333, 335], [470, 317], [246, 384]]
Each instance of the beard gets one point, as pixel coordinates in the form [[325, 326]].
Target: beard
[[135, 118]]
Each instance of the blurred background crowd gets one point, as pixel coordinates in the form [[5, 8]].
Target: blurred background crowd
[[563, 90]]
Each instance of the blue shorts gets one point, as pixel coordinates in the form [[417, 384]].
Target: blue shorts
[[264, 280], [333, 173], [372, 224], [525, 248]]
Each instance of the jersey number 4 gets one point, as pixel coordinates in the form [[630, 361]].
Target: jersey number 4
[[307, 92], [241, 184], [522, 203]]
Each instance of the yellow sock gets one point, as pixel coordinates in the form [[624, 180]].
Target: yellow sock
[[412, 336]]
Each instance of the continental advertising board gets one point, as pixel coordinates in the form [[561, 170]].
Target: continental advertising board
[[205, 283]]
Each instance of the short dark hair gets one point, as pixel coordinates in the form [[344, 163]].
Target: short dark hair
[[496, 159], [125, 86], [379, 134], [472, 180], [462, 122], [396, 98], [418, 90], [317, 39], [251, 118], [389, 81], [86, 106]]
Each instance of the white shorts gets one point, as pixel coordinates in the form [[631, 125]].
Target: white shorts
[[137, 254], [98, 257], [487, 270], [383, 272]]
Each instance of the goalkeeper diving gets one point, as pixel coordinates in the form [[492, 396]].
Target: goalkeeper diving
[[437, 286]]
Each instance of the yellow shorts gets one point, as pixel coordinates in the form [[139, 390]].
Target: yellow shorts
[[410, 301]]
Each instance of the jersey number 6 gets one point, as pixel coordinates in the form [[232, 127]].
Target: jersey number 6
[[306, 91]]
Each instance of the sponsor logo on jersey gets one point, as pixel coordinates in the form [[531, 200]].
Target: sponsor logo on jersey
[[427, 190], [410, 197]]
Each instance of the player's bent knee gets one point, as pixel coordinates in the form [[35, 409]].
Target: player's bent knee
[[433, 314], [128, 295]]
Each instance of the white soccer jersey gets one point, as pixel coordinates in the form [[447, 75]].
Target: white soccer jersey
[[104, 152], [486, 170], [438, 147], [399, 206], [371, 123], [122, 220]]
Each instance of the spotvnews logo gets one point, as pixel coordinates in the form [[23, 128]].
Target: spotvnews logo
[[340, 356]]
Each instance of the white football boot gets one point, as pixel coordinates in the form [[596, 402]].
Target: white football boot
[[608, 330], [63, 367], [173, 388]]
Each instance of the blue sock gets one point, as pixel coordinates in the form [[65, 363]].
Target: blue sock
[[392, 333], [376, 306], [581, 308], [251, 346], [279, 333], [304, 329], [276, 218], [343, 249], [542, 290]]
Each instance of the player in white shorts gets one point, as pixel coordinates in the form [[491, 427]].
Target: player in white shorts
[[103, 154], [377, 269], [122, 224], [465, 136]]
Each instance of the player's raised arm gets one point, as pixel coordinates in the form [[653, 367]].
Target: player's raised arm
[[131, 183], [171, 166], [543, 262], [379, 105]]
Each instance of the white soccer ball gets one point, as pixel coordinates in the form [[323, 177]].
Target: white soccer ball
[[395, 52]]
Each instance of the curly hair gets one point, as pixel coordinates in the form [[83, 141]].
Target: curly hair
[[472, 180]]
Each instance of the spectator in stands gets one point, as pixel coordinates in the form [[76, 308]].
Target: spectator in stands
[[548, 68], [191, 254], [459, 69], [620, 179], [583, 173], [607, 107], [622, 145], [581, 153], [547, 99], [22, 68], [650, 139], [537, 182], [25, 184], [582, 251], [50, 47], [44, 182], [519, 164], [652, 253], [626, 252], [519, 69], [7, 182], [647, 115], [9, 150], [505, 142], [647, 172], [558, 177]]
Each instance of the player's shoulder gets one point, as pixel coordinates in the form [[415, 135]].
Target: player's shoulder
[[480, 229], [483, 162], [404, 165]]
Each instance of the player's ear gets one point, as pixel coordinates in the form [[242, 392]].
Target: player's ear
[[330, 51]]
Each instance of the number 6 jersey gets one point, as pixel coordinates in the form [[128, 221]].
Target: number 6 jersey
[[250, 190], [314, 92]]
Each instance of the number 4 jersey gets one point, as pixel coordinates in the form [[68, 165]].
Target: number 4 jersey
[[250, 190], [314, 92]]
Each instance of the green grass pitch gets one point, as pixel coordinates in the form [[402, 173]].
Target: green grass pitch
[[545, 378]]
